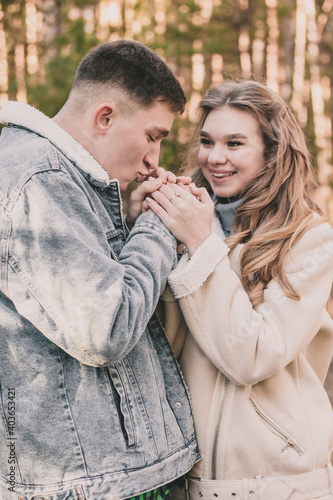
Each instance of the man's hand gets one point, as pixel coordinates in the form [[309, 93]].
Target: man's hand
[[137, 197]]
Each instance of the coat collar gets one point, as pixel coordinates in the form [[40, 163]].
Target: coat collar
[[24, 115]]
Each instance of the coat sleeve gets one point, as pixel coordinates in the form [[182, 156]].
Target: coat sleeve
[[249, 344], [61, 277]]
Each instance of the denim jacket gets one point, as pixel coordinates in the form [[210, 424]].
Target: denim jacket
[[92, 403]]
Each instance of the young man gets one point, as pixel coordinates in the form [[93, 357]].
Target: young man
[[92, 403]]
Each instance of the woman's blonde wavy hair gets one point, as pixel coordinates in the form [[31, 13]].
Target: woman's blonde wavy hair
[[277, 207]]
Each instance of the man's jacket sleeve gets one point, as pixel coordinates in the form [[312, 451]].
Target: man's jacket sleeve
[[61, 277]]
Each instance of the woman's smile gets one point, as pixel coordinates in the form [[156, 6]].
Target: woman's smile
[[232, 150], [222, 176]]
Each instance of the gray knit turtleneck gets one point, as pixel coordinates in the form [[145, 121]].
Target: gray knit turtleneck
[[226, 213]]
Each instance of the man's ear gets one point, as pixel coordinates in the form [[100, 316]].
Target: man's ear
[[103, 117]]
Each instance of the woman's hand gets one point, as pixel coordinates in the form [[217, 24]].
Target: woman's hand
[[157, 177], [187, 214]]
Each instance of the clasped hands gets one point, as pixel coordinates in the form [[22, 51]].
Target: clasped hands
[[186, 210]]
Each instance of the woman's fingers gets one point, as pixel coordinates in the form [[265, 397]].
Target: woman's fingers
[[188, 218], [202, 195], [162, 174], [184, 180], [176, 190]]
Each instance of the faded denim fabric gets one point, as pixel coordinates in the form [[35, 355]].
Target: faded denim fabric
[[101, 410]]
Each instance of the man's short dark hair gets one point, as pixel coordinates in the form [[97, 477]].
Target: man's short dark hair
[[134, 69]]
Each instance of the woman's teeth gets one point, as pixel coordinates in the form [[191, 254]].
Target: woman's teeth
[[224, 174]]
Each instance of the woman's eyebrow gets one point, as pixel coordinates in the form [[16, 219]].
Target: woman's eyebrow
[[203, 133], [237, 135]]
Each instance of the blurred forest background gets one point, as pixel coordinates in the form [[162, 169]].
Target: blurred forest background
[[287, 44]]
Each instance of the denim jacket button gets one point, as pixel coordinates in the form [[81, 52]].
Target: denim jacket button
[[178, 404]]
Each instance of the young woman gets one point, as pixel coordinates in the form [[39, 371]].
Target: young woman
[[258, 340]]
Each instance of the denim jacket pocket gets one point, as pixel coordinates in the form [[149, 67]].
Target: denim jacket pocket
[[115, 377], [76, 493], [116, 241]]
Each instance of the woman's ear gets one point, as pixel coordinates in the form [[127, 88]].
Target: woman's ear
[[103, 117]]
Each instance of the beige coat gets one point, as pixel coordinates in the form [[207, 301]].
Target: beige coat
[[255, 374]]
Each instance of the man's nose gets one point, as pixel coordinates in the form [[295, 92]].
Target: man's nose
[[152, 157]]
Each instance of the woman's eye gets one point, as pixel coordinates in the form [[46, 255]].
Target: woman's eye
[[205, 142], [151, 138], [235, 144]]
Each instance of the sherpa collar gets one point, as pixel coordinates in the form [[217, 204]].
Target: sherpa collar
[[24, 115]]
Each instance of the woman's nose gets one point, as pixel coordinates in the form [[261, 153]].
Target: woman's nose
[[217, 155]]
